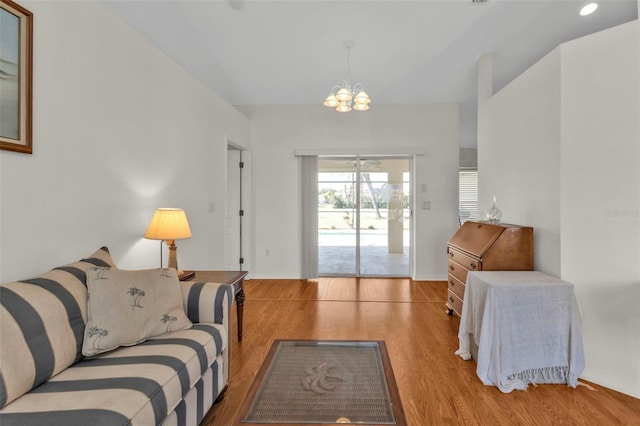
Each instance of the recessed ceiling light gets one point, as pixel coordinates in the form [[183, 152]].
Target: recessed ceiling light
[[588, 9], [236, 4]]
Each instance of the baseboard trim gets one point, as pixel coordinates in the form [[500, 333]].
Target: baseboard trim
[[618, 384]]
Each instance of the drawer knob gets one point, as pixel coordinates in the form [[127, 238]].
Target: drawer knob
[[473, 266], [452, 283], [450, 299], [451, 267], [450, 254]]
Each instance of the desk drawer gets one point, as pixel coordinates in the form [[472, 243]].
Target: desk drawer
[[456, 286], [465, 260], [454, 302], [457, 270]]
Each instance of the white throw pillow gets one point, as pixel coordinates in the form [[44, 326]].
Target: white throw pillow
[[128, 307]]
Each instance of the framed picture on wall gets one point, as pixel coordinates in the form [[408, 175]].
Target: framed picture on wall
[[16, 77]]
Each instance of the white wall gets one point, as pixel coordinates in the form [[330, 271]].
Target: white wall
[[119, 130], [600, 195], [589, 169], [519, 157], [278, 131]]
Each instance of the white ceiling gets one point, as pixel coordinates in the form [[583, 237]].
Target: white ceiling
[[260, 52]]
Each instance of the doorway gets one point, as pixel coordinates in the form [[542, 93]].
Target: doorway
[[364, 216], [234, 258]]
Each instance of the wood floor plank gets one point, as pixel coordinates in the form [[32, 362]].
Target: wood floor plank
[[436, 386]]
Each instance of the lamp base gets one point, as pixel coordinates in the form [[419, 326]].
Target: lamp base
[[173, 259]]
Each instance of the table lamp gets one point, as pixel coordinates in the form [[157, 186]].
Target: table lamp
[[169, 224]]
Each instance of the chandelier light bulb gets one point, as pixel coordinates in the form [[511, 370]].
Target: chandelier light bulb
[[344, 107], [360, 107], [344, 95], [331, 101], [362, 98]]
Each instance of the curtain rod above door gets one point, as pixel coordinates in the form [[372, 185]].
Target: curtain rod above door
[[339, 152]]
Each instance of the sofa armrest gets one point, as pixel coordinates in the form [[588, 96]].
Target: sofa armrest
[[210, 303], [207, 302]]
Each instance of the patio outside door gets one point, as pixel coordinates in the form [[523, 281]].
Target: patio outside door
[[364, 216]]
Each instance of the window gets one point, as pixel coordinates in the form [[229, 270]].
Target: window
[[468, 195]]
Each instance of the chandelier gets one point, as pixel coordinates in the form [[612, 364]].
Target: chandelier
[[347, 97]]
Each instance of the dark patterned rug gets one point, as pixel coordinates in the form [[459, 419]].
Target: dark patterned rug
[[324, 382]]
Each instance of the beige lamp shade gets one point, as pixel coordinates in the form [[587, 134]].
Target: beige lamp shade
[[168, 224]]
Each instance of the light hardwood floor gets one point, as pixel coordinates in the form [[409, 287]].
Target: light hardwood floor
[[436, 386]]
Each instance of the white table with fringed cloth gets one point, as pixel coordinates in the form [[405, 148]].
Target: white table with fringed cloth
[[526, 327]]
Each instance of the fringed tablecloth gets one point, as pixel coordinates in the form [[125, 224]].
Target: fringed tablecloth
[[527, 327]]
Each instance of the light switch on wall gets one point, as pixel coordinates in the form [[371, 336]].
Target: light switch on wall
[[212, 207], [426, 205]]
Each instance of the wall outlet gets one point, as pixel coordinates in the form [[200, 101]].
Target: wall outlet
[[426, 205], [212, 207]]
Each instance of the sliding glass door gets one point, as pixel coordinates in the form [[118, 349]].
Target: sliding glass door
[[364, 216]]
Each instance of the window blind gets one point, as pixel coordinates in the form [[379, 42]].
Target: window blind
[[468, 195]]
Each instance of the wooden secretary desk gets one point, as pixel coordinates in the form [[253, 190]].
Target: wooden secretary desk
[[485, 246]]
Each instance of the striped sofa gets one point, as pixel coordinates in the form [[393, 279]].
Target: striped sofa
[[172, 379]]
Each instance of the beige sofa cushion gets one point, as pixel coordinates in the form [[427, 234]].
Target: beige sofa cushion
[[42, 322]]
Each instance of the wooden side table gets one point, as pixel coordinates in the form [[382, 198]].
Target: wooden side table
[[236, 279]]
